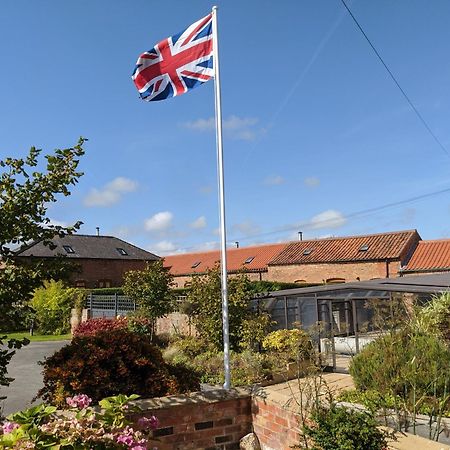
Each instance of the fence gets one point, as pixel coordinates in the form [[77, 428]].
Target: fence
[[110, 306]]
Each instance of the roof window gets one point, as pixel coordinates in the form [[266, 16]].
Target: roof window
[[68, 249], [249, 260], [307, 251], [364, 248], [196, 264], [122, 251]]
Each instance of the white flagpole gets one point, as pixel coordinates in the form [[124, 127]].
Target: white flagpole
[[220, 171]]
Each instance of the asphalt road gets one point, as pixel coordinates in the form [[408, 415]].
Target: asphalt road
[[28, 375]]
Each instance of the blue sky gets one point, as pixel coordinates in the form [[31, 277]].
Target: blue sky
[[315, 130]]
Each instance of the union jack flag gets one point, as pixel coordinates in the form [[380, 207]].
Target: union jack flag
[[177, 64]]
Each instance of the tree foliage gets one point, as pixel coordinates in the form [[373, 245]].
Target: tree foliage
[[206, 306], [151, 289], [25, 196]]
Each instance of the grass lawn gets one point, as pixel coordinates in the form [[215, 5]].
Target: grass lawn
[[37, 337]]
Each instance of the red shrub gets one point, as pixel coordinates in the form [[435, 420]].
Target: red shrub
[[94, 326], [110, 363]]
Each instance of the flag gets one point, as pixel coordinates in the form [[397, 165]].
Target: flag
[[177, 64]]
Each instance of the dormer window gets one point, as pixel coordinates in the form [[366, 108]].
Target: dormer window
[[196, 264], [249, 260], [307, 252], [68, 249], [364, 248], [122, 251]]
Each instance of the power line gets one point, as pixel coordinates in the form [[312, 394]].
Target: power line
[[396, 82], [323, 223]]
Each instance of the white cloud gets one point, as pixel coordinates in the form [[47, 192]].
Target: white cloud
[[199, 223], [311, 182], [274, 180], [205, 246], [328, 219], [164, 248], [246, 228], [58, 223], [111, 193], [239, 128], [161, 221]]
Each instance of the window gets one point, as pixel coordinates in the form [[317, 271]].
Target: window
[[104, 283], [249, 260], [196, 264], [335, 280], [364, 248], [300, 281], [307, 251], [80, 284], [68, 249], [122, 251]]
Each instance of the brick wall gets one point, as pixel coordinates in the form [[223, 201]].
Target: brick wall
[[217, 420], [202, 420], [181, 280], [276, 427], [95, 270], [175, 323], [320, 273]]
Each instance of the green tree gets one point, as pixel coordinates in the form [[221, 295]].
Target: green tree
[[25, 195], [206, 300], [151, 290]]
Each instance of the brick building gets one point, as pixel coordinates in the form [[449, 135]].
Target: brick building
[[331, 260], [252, 260], [429, 257], [101, 261], [337, 260]]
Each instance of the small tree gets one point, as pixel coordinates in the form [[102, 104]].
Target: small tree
[[205, 297], [25, 195], [151, 290]]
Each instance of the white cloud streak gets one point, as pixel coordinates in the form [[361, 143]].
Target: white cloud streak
[[111, 193], [239, 128], [199, 223], [159, 222]]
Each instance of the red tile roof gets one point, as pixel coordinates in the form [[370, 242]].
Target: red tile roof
[[373, 247], [430, 255], [236, 257]]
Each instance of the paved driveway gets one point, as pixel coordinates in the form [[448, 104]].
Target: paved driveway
[[27, 373]]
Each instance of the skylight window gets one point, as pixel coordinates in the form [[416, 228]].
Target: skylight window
[[122, 251], [249, 260], [364, 248], [196, 264], [68, 249], [307, 251]]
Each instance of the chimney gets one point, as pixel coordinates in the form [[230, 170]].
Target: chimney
[[237, 244], [300, 235], [98, 230]]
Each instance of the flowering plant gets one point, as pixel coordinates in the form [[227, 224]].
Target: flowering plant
[[82, 427]]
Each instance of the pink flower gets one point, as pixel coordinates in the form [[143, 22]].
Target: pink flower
[[8, 427], [125, 439], [148, 422], [80, 401], [138, 447]]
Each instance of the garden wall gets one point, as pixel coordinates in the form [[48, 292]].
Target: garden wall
[[202, 420], [217, 420]]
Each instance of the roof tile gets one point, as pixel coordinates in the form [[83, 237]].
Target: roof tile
[[430, 255], [381, 246], [182, 264]]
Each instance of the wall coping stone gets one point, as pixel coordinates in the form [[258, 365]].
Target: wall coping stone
[[207, 397]]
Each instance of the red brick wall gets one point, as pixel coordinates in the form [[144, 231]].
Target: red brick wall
[[320, 273], [181, 280], [277, 428], [201, 420], [95, 270]]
